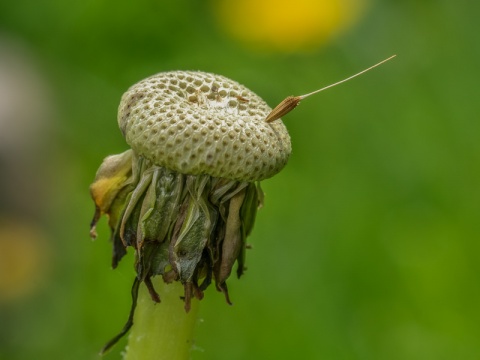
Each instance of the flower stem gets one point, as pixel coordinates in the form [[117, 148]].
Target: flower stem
[[164, 330]]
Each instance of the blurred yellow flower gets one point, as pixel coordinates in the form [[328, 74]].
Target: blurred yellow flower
[[285, 25], [23, 259]]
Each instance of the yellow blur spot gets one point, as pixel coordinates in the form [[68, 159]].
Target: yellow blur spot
[[23, 259], [286, 25]]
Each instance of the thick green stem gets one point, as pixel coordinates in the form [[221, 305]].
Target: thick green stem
[[164, 330]]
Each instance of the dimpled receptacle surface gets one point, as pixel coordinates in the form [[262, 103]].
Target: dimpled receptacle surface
[[201, 123]]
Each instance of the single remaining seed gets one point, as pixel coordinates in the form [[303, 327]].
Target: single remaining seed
[[291, 102]]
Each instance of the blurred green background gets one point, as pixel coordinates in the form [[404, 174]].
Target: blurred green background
[[368, 244]]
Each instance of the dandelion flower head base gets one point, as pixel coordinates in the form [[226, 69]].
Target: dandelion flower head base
[[187, 228]]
